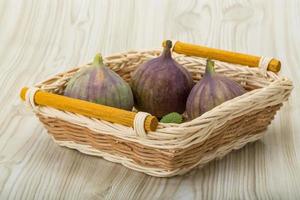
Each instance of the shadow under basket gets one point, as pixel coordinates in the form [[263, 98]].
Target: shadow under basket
[[171, 149]]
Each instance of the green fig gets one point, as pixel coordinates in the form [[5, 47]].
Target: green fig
[[99, 84]]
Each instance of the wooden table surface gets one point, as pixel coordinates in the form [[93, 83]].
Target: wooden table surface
[[42, 38]]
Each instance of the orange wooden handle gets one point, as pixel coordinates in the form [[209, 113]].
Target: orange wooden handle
[[89, 109], [223, 55]]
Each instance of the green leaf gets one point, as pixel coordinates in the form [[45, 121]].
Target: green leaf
[[173, 117]]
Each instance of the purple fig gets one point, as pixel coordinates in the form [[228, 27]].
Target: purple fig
[[161, 85], [98, 84], [212, 90]]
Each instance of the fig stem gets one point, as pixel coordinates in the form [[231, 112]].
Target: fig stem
[[167, 49], [210, 67], [168, 44], [98, 60]]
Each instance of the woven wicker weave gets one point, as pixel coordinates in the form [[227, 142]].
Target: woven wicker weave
[[173, 148]]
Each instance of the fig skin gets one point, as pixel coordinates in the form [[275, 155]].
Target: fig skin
[[101, 85], [212, 90], [161, 85]]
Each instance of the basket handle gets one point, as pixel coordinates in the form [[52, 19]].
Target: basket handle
[[89, 109], [222, 55]]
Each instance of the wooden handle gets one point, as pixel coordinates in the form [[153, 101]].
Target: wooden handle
[[222, 55], [89, 109]]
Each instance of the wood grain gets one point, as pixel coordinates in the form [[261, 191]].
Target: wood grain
[[42, 38]]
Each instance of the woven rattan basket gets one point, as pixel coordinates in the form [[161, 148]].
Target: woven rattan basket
[[172, 149]]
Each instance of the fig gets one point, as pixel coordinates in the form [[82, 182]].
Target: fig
[[98, 84], [212, 90], [161, 85]]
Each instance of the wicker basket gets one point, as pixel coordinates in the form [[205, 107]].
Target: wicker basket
[[173, 148]]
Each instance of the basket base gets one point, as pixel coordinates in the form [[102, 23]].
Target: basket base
[[161, 162], [157, 172]]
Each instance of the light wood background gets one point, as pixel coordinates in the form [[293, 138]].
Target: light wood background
[[42, 38]]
